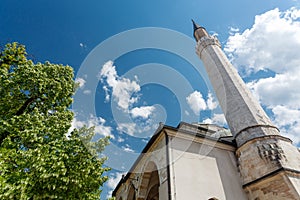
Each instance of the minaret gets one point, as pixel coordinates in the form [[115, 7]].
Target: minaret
[[268, 163]]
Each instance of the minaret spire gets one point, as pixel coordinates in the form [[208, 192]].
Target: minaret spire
[[265, 158], [199, 31], [196, 26]]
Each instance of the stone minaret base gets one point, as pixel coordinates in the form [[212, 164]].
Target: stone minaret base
[[270, 168]]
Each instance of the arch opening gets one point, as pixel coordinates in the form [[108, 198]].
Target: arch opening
[[149, 188], [131, 193]]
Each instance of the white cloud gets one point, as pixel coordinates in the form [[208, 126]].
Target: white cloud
[[233, 30], [145, 141], [279, 90], [196, 102], [122, 88], [100, 128], [273, 43], [82, 45], [128, 149], [112, 182], [186, 113], [87, 92], [120, 139], [286, 116], [211, 102], [273, 40], [128, 128], [81, 82], [76, 124], [288, 121], [107, 96], [97, 122], [143, 111], [141, 129], [137, 121], [218, 119]]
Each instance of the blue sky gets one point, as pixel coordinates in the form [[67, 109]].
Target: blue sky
[[136, 64]]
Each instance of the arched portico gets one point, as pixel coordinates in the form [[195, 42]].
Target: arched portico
[[149, 185], [131, 193]]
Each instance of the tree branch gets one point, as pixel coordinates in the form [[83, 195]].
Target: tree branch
[[18, 113], [25, 105]]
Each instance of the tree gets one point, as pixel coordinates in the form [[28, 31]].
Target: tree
[[38, 159]]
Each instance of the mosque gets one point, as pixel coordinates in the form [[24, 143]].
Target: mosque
[[207, 162]]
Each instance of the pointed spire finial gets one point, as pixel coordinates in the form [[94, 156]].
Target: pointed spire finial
[[196, 26], [199, 31]]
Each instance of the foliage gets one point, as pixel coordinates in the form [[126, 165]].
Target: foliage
[[38, 160]]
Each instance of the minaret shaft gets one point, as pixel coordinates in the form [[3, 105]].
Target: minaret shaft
[[241, 110], [268, 163]]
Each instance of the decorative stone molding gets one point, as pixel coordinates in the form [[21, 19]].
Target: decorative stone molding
[[206, 41], [271, 152], [255, 132]]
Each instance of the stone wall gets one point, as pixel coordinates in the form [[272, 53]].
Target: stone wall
[[266, 165]]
